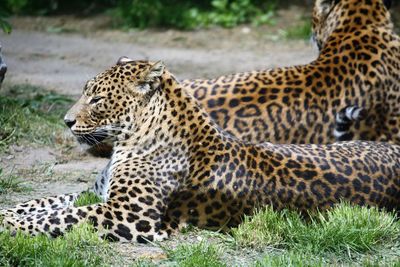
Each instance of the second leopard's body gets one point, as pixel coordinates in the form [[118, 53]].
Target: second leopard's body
[[358, 64]]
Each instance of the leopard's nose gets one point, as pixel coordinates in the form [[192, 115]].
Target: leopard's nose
[[69, 123]]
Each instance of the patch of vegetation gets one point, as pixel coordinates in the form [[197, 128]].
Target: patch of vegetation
[[144, 263], [200, 254], [343, 231], [51, 7], [79, 247], [87, 198], [267, 228], [301, 31], [28, 113], [180, 14], [193, 14], [5, 25], [11, 183], [290, 259], [345, 235]]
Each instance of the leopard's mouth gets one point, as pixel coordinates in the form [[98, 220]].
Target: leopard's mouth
[[93, 138]]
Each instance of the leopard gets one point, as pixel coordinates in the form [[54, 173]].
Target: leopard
[[358, 64], [174, 166]]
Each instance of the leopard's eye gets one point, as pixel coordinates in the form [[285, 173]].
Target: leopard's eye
[[95, 99]]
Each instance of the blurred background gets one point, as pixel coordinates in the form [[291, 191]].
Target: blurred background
[[180, 14], [60, 44]]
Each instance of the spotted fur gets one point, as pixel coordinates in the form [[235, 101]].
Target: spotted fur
[[358, 64], [172, 165]]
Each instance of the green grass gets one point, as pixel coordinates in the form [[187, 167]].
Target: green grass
[[79, 247], [299, 31], [28, 113], [342, 232], [199, 255], [11, 183], [345, 235], [87, 198], [290, 259], [144, 263]]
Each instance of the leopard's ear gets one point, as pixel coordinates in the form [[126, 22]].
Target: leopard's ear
[[123, 60], [322, 7], [388, 3], [150, 78], [155, 71]]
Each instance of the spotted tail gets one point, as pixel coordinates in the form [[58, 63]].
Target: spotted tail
[[345, 119]]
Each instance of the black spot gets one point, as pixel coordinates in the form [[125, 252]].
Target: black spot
[[56, 233], [107, 224], [212, 223], [142, 239], [306, 175], [233, 103], [301, 186], [124, 231], [143, 226], [111, 237], [357, 185], [54, 220], [378, 186], [135, 207], [70, 220], [335, 178]]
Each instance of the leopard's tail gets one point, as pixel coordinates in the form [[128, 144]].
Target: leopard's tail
[[344, 120]]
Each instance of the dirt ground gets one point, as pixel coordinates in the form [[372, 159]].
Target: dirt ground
[[62, 53]]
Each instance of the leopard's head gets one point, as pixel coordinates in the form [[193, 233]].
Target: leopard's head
[[114, 101], [330, 15]]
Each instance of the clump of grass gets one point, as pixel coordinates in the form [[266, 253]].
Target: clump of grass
[[350, 228], [11, 183], [79, 247], [87, 198], [144, 263], [200, 254], [29, 113], [341, 230], [267, 228], [290, 259]]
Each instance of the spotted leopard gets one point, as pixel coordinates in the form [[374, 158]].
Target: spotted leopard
[[358, 64], [172, 165]]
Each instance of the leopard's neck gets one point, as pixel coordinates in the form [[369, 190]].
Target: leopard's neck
[[174, 119]]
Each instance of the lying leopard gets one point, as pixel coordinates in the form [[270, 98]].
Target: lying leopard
[[358, 64], [172, 165]]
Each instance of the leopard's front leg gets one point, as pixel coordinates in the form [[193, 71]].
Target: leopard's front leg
[[131, 213], [61, 201], [42, 204]]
